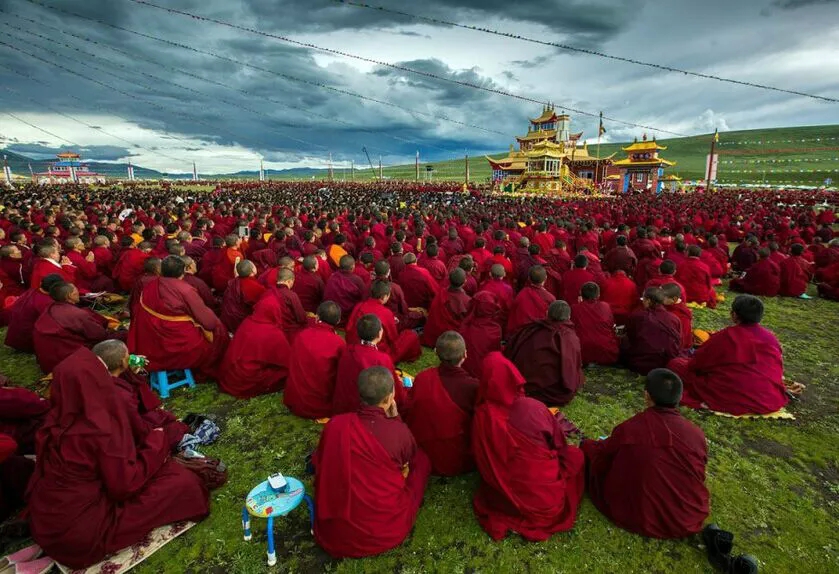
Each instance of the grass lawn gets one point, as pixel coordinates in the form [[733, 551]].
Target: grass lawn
[[775, 484]]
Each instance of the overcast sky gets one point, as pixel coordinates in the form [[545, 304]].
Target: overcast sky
[[152, 95]]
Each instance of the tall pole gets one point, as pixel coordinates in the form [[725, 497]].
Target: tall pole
[[600, 132], [416, 168], [352, 170], [711, 160], [467, 169], [381, 173], [330, 173]]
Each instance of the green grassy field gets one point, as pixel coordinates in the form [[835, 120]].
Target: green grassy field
[[775, 484], [784, 158]]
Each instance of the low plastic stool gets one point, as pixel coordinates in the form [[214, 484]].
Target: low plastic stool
[[265, 502], [165, 381]]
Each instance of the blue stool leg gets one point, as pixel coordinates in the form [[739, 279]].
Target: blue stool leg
[[272, 555], [190, 380], [311, 504], [163, 383], [246, 523]]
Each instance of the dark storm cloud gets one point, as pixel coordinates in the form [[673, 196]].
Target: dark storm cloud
[[795, 4], [42, 151]]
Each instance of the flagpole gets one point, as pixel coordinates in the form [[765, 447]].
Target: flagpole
[[599, 133], [711, 160]]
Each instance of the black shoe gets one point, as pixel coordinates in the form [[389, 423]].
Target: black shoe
[[743, 564], [718, 544]]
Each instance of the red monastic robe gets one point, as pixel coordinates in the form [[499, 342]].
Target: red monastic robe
[[129, 268], [531, 304], [22, 317], [504, 295], [621, 294], [763, 278], [447, 312], [288, 308], [695, 276], [796, 273], [739, 370], [313, 369], [354, 359], [346, 289], [595, 327], [573, 281], [481, 329], [44, 267], [309, 286], [685, 316], [238, 301], [648, 477], [653, 337], [419, 286], [401, 347]]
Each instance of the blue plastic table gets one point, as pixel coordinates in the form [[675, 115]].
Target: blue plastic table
[[264, 502]]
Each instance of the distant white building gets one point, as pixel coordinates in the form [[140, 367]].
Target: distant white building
[[69, 169]]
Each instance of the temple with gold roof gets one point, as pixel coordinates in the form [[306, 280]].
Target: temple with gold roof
[[550, 159], [69, 168], [643, 169]]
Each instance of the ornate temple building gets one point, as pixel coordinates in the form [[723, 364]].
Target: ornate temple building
[[550, 159], [643, 169], [69, 169]]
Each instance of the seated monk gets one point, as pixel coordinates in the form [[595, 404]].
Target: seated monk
[[129, 265], [22, 413], [653, 335], [547, 354], [87, 272], [145, 412], [345, 287], [173, 327], [50, 261], [738, 370], [359, 356], [269, 276], [313, 365], [151, 269], [25, 311], [370, 476], [400, 347], [15, 473], [11, 265], [531, 304], [666, 274], [97, 489], [693, 274], [448, 309], [481, 329], [575, 278], [674, 304], [419, 286], [241, 295], [531, 479], [309, 285], [64, 327], [648, 477], [620, 258], [796, 273], [287, 303], [257, 358], [406, 318], [828, 287], [191, 278], [500, 287], [595, 327], [442, 405], [621, 294], [763, 278], [225, 268]]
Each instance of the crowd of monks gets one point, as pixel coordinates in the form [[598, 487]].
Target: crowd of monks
[[318, 292]]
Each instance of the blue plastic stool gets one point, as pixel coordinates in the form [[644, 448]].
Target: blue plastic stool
[[164, 381], [264, 502]]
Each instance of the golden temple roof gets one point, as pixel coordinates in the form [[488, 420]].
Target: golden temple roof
[[548, 115], [538, 135], [644, 145], [645, 162], [68, 155]]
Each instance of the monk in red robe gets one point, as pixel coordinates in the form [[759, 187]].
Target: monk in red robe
[[151, 269], [313, 365], [481, 329], [289, 308], [406, 317], [648, 477], [674, 304], [192, 279], [504, 295], [575, 278], [796, 273], [309, 285], [740, 369], [828, 287], [595, 327], [448, 309], [96, 489], [257, 359], [129, 265], [531, 304], [87, 273], [531, 479], [401, 347], [370, 477], [22, 413], [64, 328], [419, 286], [50, 261], [173, 327], [621, 258], [11, 265], [666, 273], [547, 354], [15, 472], [240, 296], [224, 269], [621, 294], [763, 278], [695, 276], [359, 356], [345, 287], [25, 312], [653, 335], [442, 405]]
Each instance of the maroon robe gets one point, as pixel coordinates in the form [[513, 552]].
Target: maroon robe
[[137, 290], [401, 347], [685, 316], [145, 412], [22, 413], [442, 404], [531, 304], [481, 329], [22, 317], [695, 276], [129, 268], [175, 330], [504, 296], [238, 301], [621, 294], [309, 286], [796, 273], [573, 281], [289, 308], [407, 319], [95, 489], [653, 337], [354, 359], [313, 369], [447, 311], [648, 477], [739, 370], [363, 504], [88, 276], [346, 289], [436, 268], [620, 259], [419, 286], [44, 267], [547, 354], [531, 480], [763, 278], [595, 327], [256, 361], [203, 290], [64, 328]]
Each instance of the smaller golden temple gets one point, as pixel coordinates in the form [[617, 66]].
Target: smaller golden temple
[[550, 159], [643, 169]]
